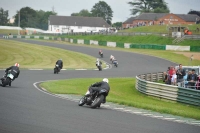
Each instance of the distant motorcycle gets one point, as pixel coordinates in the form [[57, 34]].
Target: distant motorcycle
[[7, 79], [94, 100], [56, 69], [101, 54], [115, 63]]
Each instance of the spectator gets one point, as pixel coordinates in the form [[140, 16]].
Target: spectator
[[192, 78], [165, 77], [180, 74], [185, 78], [198, 83], [174, 78]]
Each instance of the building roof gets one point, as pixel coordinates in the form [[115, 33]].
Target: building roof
[[129, 20], [154, 16], [150, 16], [78, 21], [188, 17]]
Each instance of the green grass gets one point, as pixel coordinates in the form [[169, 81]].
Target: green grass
[[36, 56], [6, 32], [123, 92], [159, 28], [146, 39]]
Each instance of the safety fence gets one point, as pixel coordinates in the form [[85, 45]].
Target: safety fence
[[145, 83], [114, 44]]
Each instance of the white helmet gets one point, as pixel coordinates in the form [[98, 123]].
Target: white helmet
[[105, 80], [17, 64]]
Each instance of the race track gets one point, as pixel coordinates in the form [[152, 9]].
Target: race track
[[24, 109]]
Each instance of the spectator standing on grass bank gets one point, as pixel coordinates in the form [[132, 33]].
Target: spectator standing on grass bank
[[180, 73], [165, 77], [174, 78], [192, 78], [185, 78]]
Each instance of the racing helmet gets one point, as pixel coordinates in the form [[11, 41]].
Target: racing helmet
[[105, 80], [97, 59], [17, 64]]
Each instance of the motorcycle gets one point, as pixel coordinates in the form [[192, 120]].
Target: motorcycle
[[115, 63], [7, 79], [98, 64], [101, 54], [56, 69], [94, 100]]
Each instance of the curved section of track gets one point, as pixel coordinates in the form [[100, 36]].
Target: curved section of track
[[24, 109]]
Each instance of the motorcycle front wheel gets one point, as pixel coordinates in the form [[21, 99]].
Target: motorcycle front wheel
[[81, 101]]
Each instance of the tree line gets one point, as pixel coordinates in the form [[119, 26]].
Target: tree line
[[39, 18]]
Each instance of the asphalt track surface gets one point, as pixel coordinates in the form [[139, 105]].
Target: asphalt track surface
[[24, 109]]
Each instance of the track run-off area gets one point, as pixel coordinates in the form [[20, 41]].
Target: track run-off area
[[25, 109]]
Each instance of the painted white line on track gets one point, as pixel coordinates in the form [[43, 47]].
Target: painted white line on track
[[127, 110], [137, 112], [35, 69], [169, 118], [157, 116], [63, 69], [118, 108], [147, 114]]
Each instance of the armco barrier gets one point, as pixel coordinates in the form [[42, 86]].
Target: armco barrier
[[145, 84], [117, 44]]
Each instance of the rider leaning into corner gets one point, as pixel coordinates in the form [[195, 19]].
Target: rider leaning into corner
[[14, 70], [99, 86], [112, 57], [98, 62], [60, 63]]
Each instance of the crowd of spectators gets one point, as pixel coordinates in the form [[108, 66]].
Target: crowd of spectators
[[181, 77]]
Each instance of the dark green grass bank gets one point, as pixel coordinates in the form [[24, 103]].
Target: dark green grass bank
[[123, 92], [145, 39]]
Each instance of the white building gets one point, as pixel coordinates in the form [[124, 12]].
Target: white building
[[66, 24]]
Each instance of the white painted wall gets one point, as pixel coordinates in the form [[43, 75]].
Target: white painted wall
[[67, 29]]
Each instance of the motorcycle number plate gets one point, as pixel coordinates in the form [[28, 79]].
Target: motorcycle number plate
[[11, 76]]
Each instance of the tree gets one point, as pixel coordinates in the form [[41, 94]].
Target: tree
[[194, 12], [27, 17], [145, 6], [117, 24], [102, 9], [3, 17], [33, 18], [83, 12]]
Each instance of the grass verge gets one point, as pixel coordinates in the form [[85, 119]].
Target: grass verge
[[137, 39], [123, 92], [36, 56]]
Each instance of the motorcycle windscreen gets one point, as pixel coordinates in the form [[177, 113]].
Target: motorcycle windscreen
[[10, 76]]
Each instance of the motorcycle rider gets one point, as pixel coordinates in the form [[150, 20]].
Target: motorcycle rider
[[14, 70], [60, 63], [98, 62], [98, 86], [112, 57], [100, 51]]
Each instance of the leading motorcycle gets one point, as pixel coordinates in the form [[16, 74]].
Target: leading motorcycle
[[7, 79], [94, 100]]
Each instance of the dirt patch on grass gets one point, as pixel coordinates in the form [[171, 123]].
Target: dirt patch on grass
[[196, 56]]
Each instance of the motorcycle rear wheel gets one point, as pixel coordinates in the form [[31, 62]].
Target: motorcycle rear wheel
[[97, 102]]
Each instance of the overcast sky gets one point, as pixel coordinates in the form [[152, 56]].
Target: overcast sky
[[121, 10]]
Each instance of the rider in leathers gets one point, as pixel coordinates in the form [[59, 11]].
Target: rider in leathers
[[14, 70], [60, 63], [98, 86]]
